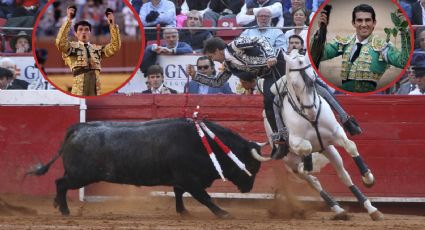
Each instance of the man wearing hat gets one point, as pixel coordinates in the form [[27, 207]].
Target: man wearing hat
[[418, 66], [82, 57], [21, 43]]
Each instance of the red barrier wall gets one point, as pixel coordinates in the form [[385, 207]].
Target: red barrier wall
[[393, 142], [29, 134]]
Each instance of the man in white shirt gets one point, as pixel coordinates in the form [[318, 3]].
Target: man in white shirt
[[251, 7], [275, 37]]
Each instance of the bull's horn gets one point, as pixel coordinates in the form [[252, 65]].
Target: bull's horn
[[261, 144], [258, 157]]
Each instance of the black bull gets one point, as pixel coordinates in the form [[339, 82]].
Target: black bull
[[162, 152]]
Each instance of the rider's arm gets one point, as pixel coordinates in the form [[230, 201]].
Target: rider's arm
[[212, 81]]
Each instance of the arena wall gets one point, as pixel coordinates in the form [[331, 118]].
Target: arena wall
[[392, 143]]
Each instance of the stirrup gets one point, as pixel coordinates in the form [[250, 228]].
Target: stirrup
[[280, 137], [352, 126]]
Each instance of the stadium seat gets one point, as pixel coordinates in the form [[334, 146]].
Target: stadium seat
[[228, 34], [207, 23], [3, 21]]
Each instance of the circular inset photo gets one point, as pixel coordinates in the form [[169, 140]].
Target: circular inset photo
[[88, 48], [360, 46]]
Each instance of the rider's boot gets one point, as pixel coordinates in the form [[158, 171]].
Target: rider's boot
[[280, 139], [348, 122], [352, 126]]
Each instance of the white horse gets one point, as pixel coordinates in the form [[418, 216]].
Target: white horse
[[312, 127]]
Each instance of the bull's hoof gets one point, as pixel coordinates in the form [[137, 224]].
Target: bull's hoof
[[184, 213], [368, 179], [341, 216], [224, 215], [55, 203], [377, 215], [64, 211]]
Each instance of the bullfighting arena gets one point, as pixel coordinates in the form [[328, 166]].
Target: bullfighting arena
[[31, 131]]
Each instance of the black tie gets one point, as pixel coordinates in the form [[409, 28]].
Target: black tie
[[87, 50], [357, 53]]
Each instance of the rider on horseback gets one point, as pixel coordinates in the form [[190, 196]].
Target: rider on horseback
[[249, 58], [349, 123]]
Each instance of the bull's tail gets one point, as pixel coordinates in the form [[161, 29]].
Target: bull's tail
[[40, 169]]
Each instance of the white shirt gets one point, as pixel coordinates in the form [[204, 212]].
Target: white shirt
[[243, 19], [364, 42], [416, 91]]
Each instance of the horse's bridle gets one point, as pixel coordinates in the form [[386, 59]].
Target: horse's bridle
[[303, 73], [300, 110]]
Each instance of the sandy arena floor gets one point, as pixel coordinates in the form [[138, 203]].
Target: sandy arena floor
[[23, 212]]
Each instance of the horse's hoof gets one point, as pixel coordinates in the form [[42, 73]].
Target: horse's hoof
[[368, 179], [341, 216], [377, 215]]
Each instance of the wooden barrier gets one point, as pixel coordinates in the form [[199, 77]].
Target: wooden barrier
[[392, 144]]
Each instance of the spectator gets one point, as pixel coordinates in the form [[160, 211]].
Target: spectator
[[172, 47], [411, 83], [9, 64], [155, 76], [206, 67], [130, 22], [247, 15], [288, 16], [418, 13], [193, 37], [299, 17], [180, 17], [6, 8], [421, 40], [309, 4], [6, 76], [199, 5], [221, 9], [275, 36], [161, 12], [21, 43], [418, 66]]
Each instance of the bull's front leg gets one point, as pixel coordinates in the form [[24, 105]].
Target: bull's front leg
[[202, 196], [180, 209]]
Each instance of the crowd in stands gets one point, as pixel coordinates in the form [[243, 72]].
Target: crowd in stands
[[17, 18], [291, 17], [283, 14], [92, 11]]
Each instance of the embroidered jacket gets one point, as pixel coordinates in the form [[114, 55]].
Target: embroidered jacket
[[244, 54], [374, 58], [75, 55]]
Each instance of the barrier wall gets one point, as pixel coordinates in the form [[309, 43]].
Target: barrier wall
[[392, 144], [32, 127]]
